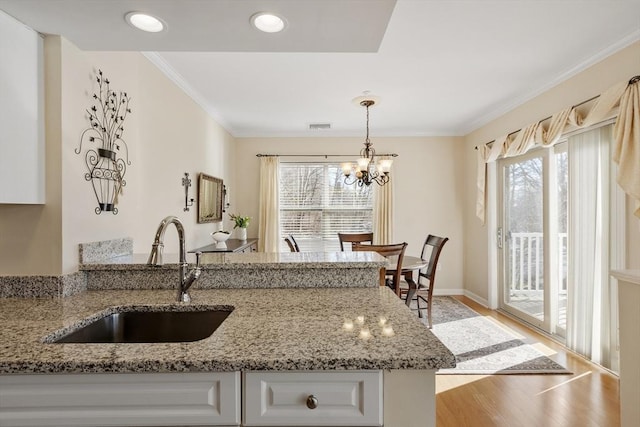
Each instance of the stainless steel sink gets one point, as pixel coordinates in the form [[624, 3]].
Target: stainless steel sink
[[149, 327]]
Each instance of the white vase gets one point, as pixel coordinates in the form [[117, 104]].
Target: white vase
[[242, 233]]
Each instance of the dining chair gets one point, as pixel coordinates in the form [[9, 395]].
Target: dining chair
[[432, 248], [354, 238], [291, 242], [295, 244], [396, 251]]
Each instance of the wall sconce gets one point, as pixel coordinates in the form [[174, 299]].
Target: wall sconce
[[225, 202], [186, 183]]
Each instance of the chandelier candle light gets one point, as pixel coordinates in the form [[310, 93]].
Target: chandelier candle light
[[367, 170]]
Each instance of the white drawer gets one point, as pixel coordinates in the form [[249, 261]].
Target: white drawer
[[320, 398], [120, 399]]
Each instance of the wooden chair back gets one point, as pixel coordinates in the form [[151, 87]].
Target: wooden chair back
[[354, 238], [427, 276], [433, 244], [393, 250], [293, 247], [295, 244]]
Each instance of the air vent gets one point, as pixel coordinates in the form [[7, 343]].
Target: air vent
[[319, 126]]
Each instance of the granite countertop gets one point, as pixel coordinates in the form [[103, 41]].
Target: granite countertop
[[254, 260], [269, 329]]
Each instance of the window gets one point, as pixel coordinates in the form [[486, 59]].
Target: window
[[315, 205]]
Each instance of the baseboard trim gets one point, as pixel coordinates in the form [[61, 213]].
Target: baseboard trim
[[482, 301], [448, 292]]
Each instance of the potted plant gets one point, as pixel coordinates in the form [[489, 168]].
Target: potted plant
[[241, 223]]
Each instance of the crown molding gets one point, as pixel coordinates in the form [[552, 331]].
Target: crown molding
[[518, 101], [156, 59]]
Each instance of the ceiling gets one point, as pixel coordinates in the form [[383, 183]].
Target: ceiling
[[439, 67]]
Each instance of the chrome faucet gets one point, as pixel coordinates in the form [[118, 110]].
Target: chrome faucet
[[155, 257]]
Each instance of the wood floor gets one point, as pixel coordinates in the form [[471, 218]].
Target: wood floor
[[588, 398]]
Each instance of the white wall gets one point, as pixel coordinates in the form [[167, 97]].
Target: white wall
[[428, 188], [167, 134], [618, 67]]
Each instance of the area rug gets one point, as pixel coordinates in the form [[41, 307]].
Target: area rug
[[482, 346]]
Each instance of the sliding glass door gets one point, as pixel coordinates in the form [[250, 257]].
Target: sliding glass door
[[533, 239], [561, 230]]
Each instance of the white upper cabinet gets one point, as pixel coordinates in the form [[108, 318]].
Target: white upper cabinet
[[21, 113]]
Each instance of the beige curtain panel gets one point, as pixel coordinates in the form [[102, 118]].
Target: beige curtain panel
[[523, 141], [627, 134], [481, 181], [601, 108], [269, 208], [548, 136], [486, 155], [383, 213]]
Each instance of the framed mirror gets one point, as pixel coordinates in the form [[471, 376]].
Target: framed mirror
[[210, 199]]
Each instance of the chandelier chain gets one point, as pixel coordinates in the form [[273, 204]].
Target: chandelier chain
[[367, 138]]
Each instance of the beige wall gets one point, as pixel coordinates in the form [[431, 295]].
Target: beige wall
[[591, 82], [427, 186], [167, 135], [31, 235]]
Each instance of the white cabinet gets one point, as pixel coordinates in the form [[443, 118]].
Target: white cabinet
[[22, 153], [173, 399], [629, 321], [335, 398], [303, 398]]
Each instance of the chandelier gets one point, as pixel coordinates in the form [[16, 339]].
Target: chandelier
[[368, 169]]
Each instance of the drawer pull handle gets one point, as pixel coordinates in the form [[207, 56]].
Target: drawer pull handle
[[312, 402]]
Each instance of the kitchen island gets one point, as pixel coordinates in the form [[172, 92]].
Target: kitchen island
[[240, 270], [269, 329], [354, 346]]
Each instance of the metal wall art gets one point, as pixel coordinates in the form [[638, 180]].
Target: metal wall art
[[105, 162], [186, 183]]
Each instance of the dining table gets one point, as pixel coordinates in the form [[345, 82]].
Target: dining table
[[409, 265]]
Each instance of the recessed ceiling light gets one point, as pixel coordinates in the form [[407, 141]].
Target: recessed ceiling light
[[268, 22], [144, 22]]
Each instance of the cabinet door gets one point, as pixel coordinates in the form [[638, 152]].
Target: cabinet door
[[349, 398], [120, 399], [22, 151]]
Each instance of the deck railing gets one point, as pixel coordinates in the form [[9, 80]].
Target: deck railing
[[526, 262]]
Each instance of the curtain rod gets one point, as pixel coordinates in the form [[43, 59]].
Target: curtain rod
[[633, 80], [321, 155]]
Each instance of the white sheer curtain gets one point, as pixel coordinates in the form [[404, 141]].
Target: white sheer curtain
[[383, 213], [269, 208], [588, 310]]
